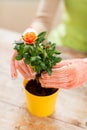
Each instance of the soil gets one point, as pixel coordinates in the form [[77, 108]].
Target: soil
[[36, 89]]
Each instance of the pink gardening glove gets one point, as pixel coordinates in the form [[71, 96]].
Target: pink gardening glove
[[26, 71], [13, 65], [66, 74]]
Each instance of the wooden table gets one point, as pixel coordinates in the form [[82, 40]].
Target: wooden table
[[71, 107]]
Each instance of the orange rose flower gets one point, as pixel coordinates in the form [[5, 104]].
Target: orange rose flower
[[29, 37]]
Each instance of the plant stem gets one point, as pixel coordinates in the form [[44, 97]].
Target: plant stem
[[37, 77]]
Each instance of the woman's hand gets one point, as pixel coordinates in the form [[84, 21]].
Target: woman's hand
[[13, 65], [66, 74], [25, 70]]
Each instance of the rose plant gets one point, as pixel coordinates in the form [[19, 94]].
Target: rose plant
[[41, 55]]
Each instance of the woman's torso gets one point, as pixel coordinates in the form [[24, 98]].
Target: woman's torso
[[76, 24], [73, 30]]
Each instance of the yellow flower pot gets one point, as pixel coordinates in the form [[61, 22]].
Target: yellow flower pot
[[40, 105]]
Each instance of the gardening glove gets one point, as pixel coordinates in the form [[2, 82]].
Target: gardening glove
[[66, 74], [25, 70], [13, 65]]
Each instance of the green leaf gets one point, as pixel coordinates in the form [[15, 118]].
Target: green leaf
[[50, 53], [19, 57], [42, 34], [53, 46], [26, 48], [19, 42], [44, 55], [57, 52], [42, 64], [26, 55], [37, 69], [39, 40], [49, 70], [58, 59], [27, 61], [17, 47], [39, 49], [33, 59]]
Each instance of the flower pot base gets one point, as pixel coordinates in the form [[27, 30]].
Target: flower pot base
[[40, 106]]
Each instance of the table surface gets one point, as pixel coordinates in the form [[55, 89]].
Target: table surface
[[71, 107]]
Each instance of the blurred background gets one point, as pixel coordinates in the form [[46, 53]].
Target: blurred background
[[17, 15]]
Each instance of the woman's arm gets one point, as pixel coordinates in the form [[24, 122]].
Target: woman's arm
[[45, 15]]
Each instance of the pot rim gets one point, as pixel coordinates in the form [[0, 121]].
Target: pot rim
[[25, 82]]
